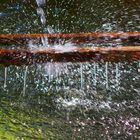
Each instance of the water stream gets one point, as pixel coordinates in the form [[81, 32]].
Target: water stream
[[81, 71], [5, 77], [25, 81], [106, 71], [40, 10]]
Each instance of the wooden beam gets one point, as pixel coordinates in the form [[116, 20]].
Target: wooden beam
[[93, 54], [71, 35], [127, 38]]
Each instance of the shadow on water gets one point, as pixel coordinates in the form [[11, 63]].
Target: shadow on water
[[87, 101]]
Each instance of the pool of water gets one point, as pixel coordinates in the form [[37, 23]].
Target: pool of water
[[70, 101]]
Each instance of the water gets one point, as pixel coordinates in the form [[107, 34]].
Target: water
[[5, 77], [41, 3], [117, 75], [94, 73], [25, 80], [40, 10], [106, 71], [69, 100], [81, 71]]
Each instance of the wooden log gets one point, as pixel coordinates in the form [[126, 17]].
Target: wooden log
[[94, 54], [127, 38]]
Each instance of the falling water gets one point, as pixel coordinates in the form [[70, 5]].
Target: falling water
[[139, 66], [39, 116], [117, 74], [5, 77], [25, 79], [40, 3], [41, 13], [49, 72], [106, 71], [40, 10], [81, 75], [94, 75]]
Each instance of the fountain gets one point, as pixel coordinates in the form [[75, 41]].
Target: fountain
[[69, 77]]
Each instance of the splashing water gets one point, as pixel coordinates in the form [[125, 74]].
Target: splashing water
[[79, 90], [53, 68]]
